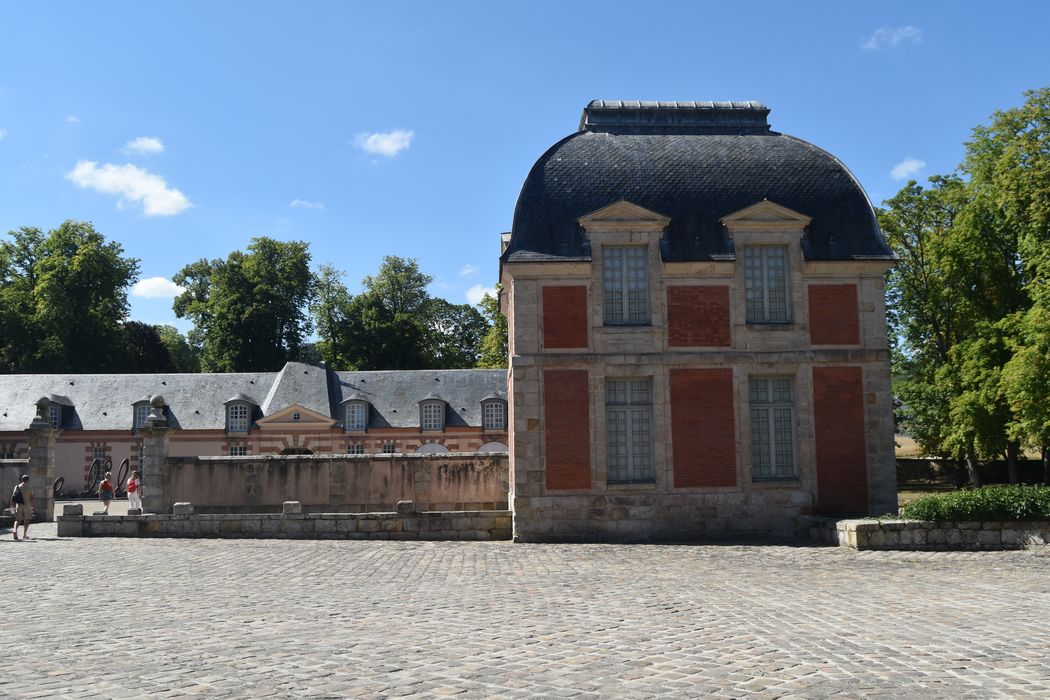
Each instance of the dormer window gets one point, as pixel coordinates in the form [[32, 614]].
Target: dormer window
[[141, 413], [54, 413], [625, 282], [355, 416], [765, 279], [237, 418], [432, 414], [494, 415]]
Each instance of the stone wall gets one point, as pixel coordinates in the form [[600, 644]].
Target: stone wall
[[464, 525], [332, 483], [934, 536]]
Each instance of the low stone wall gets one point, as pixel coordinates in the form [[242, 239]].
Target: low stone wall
[[450, 525], [932, 536], [330, 483]]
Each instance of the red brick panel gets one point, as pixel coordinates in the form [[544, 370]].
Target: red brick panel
[[703, 428], [833, 318], [565, 317], [567, 427], [697, 316], [838, 413]]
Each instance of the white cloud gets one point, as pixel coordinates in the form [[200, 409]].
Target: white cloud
[[72, 119], [388, 143], [144, 144], [3, 133], [907, 168], [475, 293], [468, 270], [132, 184], [892, 37], [303, 204], [156, 288]]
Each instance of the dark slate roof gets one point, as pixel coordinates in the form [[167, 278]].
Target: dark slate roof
[[695, 163], [395, 395], [198, 401], [104, 401]]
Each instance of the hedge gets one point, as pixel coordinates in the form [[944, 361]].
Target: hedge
[[987, 503]]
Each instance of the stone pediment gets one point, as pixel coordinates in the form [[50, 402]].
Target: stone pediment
[[766, 215], [624, 215], [295, 417]]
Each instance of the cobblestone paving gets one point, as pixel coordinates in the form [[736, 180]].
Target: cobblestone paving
[[399, 619]]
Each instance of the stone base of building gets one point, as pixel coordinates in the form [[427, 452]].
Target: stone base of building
[[660, 518]]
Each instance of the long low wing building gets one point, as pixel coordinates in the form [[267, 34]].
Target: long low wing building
[[302, 409]]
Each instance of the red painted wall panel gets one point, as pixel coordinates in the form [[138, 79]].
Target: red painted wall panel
[[567, 428], [703, 427]]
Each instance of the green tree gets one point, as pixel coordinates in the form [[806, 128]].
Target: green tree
[[184, 357], [456, 332], [394, 323], [968, 297], [249, 311], [147, 352], [63, 300], [494, 352]]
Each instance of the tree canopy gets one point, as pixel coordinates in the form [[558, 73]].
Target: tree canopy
[[249, 310], [63, 300], [969, 299]]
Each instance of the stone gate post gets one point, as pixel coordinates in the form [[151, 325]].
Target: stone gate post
[[41, 468], [156, 482]]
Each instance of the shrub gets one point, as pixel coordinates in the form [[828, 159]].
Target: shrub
[[988, 503]]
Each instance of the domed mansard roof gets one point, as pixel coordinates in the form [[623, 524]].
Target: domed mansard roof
[[694, 162]]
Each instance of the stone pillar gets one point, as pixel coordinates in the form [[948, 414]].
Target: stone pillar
[[41, 468], [156, 486]]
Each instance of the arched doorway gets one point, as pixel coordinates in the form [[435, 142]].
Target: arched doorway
[[296, 451]]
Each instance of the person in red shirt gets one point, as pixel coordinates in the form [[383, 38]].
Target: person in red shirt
[[134, 492], [105, 492]]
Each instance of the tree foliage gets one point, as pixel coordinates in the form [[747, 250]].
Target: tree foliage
[[494, 352], [63, 300], [970, 297], [249, 310], [394, 323]]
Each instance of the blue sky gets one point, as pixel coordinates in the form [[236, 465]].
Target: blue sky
[[182, 130]]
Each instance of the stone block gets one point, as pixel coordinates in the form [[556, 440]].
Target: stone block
[[132, 511], [969, 525], [405, 507], [73, 510], [182, 508], [292, 508], [367, 525]]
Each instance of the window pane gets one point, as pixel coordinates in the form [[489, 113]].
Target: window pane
[[629, 429], [625, 283], [765, 283], [433, 416], [613, 284], [616, 426], [238, 418], [772, 427], [637, 285], [493, 416], [355, 416], [785, 450], [760, 461], [776, 280]]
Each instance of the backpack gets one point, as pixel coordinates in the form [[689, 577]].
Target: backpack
[[16, 496]]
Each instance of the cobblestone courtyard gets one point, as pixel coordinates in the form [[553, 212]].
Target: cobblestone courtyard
[[125, 618]]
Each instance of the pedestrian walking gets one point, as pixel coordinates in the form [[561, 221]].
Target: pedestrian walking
[[22, 499], [105, 492], [134, 491]]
